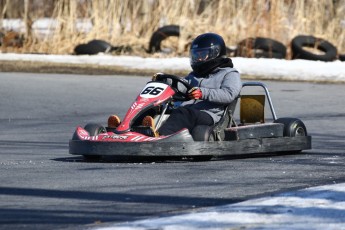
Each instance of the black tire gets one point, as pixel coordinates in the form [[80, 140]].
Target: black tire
[[293, 127], [273, 48], [159, 35], [94, 129], [93, 47], [81, 49], [260, 47], [299, 43], [100, 46], [342, 57]]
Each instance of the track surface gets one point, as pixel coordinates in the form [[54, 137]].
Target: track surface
[[43, 187]]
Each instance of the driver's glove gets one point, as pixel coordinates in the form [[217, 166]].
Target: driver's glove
[[195, 93], [154, 77]]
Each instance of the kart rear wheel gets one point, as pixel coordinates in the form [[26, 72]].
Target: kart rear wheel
[[293, 127], [94, 129]]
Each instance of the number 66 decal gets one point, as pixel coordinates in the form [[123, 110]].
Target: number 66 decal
[[153, 90]]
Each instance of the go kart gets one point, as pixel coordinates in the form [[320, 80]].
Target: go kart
[[250, 134]]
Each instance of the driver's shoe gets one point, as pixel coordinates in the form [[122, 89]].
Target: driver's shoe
[[149, 122], [114, 121]]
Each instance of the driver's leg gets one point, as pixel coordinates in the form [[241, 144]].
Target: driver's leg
[[183, 117]]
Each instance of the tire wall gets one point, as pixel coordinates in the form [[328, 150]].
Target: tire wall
[[301, 47]]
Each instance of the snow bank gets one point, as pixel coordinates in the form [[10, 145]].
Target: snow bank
[[275, 69], [315, 208]]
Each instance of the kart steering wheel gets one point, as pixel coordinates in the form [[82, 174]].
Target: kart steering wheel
[[179, 96]]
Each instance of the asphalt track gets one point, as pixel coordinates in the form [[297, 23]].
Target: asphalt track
[[43, 187]]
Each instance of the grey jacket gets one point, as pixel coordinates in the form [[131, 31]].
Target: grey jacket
[[219, 89]]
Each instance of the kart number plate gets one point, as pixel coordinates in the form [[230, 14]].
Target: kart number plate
[[153, 89]]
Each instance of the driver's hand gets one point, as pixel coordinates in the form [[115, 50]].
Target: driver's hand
[[195, 93]]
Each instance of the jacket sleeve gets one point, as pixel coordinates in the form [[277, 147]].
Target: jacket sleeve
[[229, 90]]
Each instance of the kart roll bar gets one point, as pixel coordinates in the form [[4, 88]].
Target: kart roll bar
[[254, 83]]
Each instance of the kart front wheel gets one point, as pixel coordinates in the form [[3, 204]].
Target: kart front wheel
[[94, 129]]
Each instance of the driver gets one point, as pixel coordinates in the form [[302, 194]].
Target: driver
[[215, 84]]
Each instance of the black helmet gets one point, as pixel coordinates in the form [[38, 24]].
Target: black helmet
[[205, 48]]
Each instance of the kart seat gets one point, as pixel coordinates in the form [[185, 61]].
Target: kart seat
[[252, 108], [216, 131]]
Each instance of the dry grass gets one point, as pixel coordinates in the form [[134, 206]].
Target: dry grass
[[129, 22]]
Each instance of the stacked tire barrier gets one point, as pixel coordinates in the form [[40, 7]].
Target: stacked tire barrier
[[302, 46]]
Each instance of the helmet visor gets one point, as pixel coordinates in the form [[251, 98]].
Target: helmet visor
[[203, 54]]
